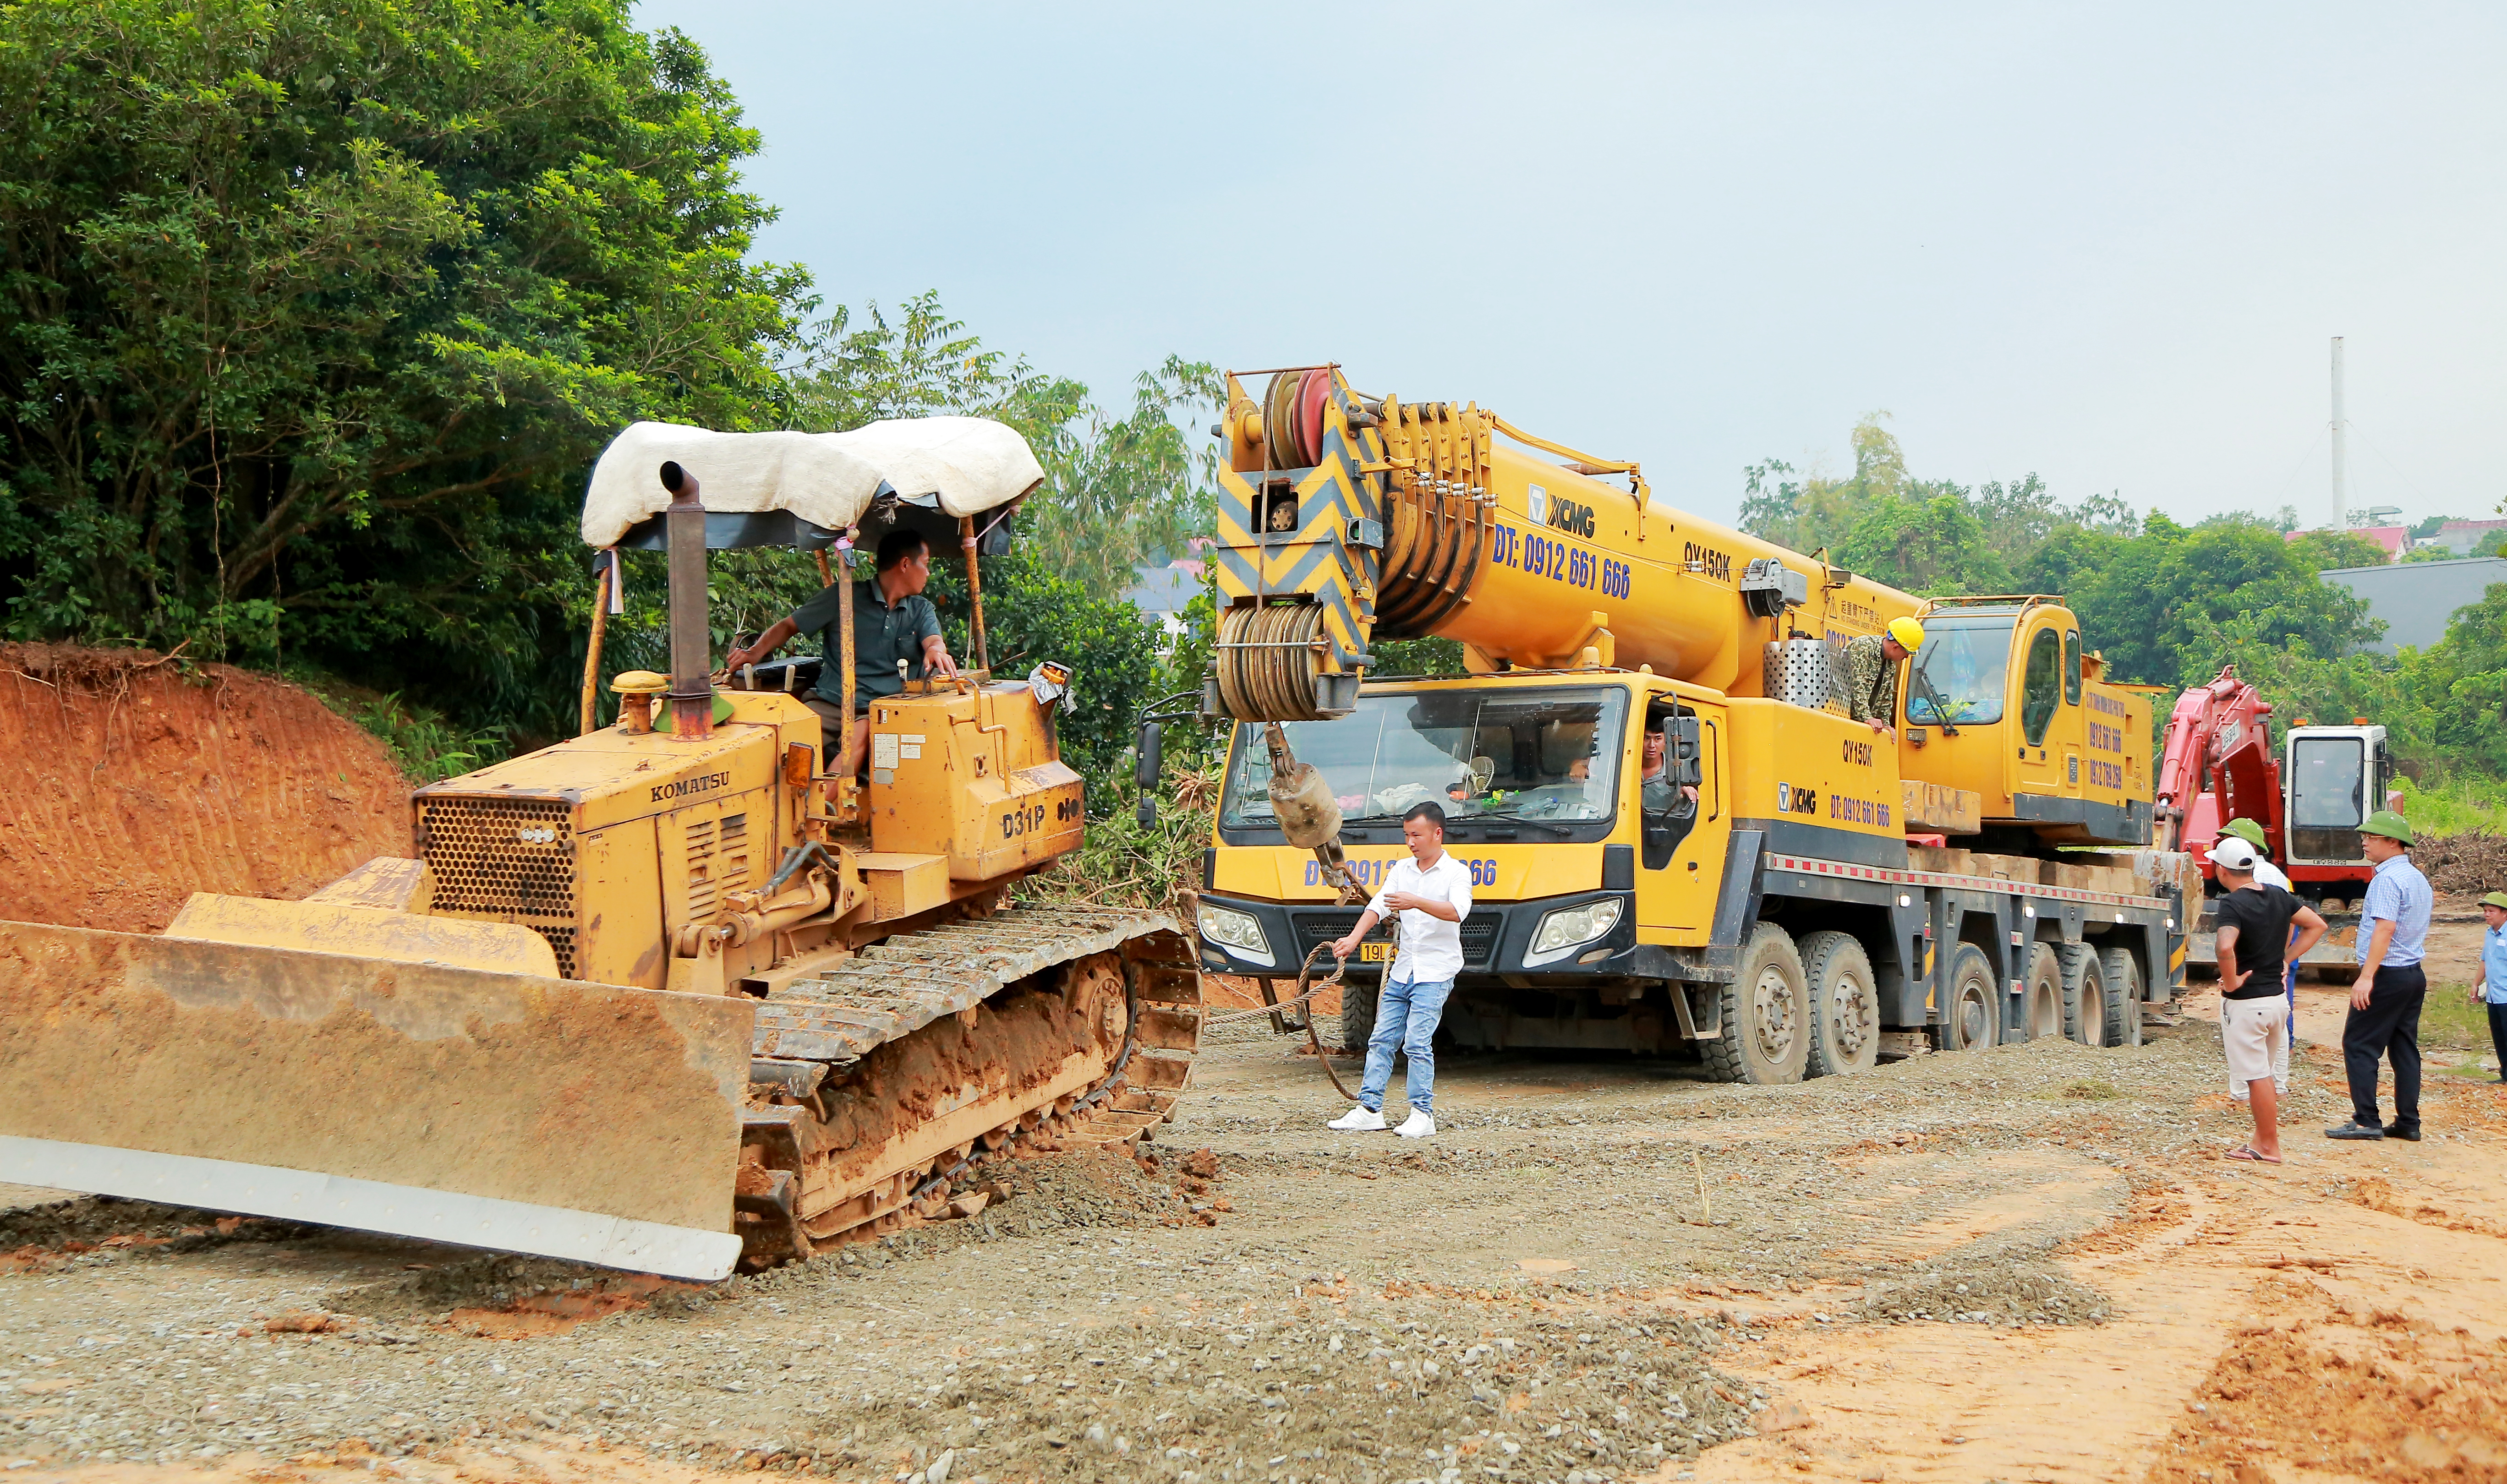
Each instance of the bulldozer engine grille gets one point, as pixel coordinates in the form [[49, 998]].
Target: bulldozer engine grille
[[717, 854], [509, 859]]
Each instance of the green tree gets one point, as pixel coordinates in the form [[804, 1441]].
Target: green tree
[[1923, 542], [2459, 685], [313, 317], [1816, 513]]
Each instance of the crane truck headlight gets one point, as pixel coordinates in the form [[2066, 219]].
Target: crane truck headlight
[[1239, 932], [1571, 928]]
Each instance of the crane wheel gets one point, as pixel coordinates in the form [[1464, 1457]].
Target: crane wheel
[[1844, 1005], [1970, 1002], [2085, 993], [2123, 973], [2040, 998], [1356, 1017], [1765, 1014]]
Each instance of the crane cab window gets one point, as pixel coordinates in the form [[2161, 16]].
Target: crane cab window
[[2042, 688], [2071, 667], [1670, 796], [1958, 676]]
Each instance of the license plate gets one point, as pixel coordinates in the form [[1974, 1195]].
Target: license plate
[[1375, 952]]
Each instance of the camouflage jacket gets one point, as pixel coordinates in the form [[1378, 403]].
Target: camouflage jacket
[[1870, 681]]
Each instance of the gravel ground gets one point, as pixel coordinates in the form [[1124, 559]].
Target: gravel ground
[[1558, 1288]]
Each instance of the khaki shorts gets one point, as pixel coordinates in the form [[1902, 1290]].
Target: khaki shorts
[[2250, 1028]]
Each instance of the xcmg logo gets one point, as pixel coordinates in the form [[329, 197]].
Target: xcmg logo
[[1794, 799], [1569, 516]]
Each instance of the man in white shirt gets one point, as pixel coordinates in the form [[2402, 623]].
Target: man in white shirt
[[1431, 892]]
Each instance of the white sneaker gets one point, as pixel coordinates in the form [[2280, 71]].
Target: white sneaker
[[1417, 1126], [1359, 1120]]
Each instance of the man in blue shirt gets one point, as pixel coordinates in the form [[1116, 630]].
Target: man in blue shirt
[[2385, 999], [2491, 995]]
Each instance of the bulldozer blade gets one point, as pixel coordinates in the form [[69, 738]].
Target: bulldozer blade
[[499, 1111]]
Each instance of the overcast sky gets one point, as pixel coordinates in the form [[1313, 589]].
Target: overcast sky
[[2108, 244]]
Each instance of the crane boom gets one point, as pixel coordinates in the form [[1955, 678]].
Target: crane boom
[[1357, 518]]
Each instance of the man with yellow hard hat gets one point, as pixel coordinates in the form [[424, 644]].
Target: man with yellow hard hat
[[1872, 662]]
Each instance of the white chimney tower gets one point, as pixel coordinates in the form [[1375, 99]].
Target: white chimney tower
[[2340, 495]]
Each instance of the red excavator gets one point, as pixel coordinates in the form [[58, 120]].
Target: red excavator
[[2310, 796]]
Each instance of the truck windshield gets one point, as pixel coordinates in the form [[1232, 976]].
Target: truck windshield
[[1965, 659], [1530, 754], [2328, 783]]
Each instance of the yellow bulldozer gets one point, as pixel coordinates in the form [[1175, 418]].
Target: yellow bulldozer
[[668, 996]]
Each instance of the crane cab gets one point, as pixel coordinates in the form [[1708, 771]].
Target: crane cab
[[2003, 701]]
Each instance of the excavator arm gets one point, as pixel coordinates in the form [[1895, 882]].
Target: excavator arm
[[2217, 731]]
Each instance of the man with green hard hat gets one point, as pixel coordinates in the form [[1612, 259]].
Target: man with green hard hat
[[1870, 665], [2385, 999], [2491, 993]]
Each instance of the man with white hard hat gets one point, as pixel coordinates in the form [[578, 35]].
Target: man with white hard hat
[[2251, 943]]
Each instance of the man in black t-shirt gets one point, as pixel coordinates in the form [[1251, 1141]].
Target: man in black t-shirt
[[2252, 942]]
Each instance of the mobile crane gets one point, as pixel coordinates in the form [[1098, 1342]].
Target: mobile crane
[[1780, 925], [665, 995]]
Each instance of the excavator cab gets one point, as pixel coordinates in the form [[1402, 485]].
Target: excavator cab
[[2335, 778]]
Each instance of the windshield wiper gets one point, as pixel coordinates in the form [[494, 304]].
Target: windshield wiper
[[1933, 699], [1511, 816]]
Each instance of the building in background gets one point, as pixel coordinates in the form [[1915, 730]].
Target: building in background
[[2464, 537], [1162, 591], [2418, 599], [2395, 539]]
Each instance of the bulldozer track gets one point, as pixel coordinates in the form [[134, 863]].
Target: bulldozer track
[[844, 1034]]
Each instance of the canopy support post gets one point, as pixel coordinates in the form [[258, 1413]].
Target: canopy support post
[[602, 577], [848, 788], [974, 592]]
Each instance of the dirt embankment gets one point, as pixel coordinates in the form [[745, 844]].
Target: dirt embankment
[[135, 784]]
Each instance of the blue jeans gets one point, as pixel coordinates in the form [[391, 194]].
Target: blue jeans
[[1405, 1016]]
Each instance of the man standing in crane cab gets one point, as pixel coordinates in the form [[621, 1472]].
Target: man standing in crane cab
[[1432, 895], [1872, 662], [895, 628], [2385, 999], [1656, 791]]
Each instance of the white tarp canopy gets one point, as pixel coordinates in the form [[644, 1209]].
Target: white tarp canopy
[[967, 464]]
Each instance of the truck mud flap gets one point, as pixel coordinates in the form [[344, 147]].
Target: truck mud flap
[[499, 1111]]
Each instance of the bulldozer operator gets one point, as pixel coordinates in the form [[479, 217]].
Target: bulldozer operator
[[1872, 662], [895, 631]]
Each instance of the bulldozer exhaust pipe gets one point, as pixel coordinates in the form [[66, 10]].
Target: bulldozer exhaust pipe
[[691, 638]]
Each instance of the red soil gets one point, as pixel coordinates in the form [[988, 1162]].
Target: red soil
[[132, 784]]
